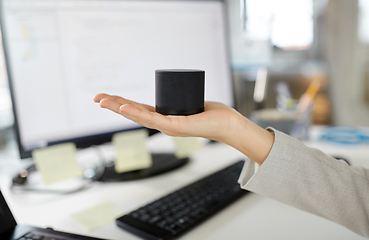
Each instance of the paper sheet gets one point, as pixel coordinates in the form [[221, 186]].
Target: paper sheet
[[97, 216], [57, 162], [185, 146], [132, 153]]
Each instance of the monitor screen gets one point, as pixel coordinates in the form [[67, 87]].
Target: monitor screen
[[60, 53]]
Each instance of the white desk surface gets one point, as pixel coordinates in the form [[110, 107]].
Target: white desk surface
[[251, 217]]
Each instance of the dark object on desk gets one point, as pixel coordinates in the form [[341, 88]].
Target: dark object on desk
[[9, 230], [19, 184], [179, 92], [339, 158], [161, 163], [173, 215]]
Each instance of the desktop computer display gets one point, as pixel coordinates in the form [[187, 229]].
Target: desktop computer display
[[60, 53]]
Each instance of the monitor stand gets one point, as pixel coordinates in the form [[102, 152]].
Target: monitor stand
[[161, 163]]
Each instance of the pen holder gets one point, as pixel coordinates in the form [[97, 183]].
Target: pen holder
[[291, 122], [302, 124], [280, 120], [179, 91]]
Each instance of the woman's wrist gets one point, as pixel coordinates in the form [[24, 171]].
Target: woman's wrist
[[250, 139]]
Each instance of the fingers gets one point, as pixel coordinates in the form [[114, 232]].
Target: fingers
[[140, 116], [146, 118], [110, 104], [99, 97], [136, 112], [145, 115], [170, 125], [126, 101]]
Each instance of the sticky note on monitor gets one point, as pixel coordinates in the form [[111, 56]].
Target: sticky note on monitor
[[97, 216], [186, 146], [56, 163], [131, 150]]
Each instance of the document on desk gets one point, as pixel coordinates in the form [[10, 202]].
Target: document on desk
[[185, 146], [131, 151], [57, 163], [97, 216]]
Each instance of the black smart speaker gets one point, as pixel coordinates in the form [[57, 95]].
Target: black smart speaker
[[179, 91]]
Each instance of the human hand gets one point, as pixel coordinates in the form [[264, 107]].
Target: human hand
[[218, 121]]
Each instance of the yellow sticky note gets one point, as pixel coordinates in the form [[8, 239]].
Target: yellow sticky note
[[132, 153], [97, 216], [57, 162], [185, 146]]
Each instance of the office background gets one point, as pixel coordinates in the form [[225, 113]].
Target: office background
[[327, 42]]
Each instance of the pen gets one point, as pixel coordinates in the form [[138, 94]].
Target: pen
[[307, 98]]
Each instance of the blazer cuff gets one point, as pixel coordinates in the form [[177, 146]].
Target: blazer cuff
[[250, 168]]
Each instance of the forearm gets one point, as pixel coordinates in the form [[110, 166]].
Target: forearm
[[250, 139]]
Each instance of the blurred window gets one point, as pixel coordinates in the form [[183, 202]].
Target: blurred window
[[363, 30], [288, 23]]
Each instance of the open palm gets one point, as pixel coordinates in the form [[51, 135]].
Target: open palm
[[216, 122]]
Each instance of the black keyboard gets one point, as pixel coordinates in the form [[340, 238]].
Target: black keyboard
[[38, 236], [173, 215], [48, 234]]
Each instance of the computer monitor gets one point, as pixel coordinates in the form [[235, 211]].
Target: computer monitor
[[60, 53]]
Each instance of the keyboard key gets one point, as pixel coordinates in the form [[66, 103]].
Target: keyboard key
[[154, 219]]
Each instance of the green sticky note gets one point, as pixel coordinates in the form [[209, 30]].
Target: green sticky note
[[185, 146], [97, 216], [57, 162], [131, 151]]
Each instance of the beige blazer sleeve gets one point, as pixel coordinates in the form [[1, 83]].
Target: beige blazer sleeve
[[312, 181]]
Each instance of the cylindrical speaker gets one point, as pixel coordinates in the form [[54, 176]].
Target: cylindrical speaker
[[179, 91]]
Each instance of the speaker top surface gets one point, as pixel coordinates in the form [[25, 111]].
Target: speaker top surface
[[178, 71]]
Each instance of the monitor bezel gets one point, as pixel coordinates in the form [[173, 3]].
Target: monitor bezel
[[96, 139]]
